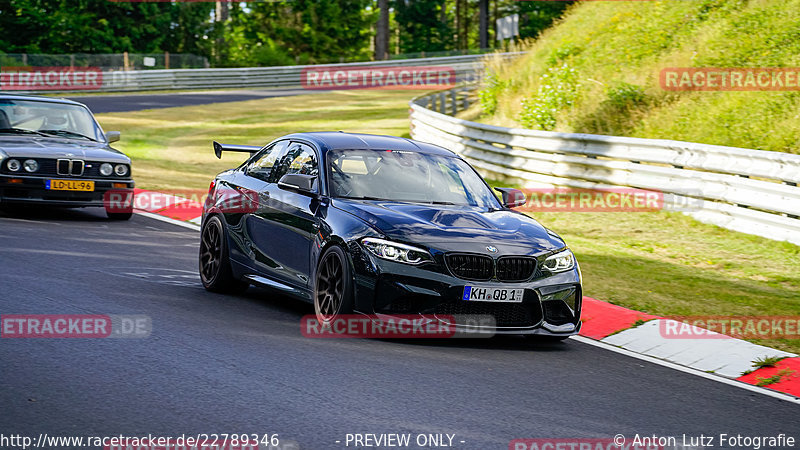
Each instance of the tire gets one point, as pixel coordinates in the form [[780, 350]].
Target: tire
[[119, 216], [333, 287], [214, 260]]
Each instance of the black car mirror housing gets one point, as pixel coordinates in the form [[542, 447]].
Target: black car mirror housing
[[298, 182], [512, 197]]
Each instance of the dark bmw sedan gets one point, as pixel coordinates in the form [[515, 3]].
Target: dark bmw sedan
[[385, 226], [54, 153]]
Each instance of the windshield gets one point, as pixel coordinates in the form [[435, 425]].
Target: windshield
[[48, 118], [405, 176]]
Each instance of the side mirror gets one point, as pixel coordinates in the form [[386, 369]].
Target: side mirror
[[112, 136], [512, 197], [298, 182]]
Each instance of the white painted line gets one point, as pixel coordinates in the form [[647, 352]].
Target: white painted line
[[180, 223], [724, 355], [689, 370]]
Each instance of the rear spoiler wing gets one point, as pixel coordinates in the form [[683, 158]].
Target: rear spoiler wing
[[219, 148]]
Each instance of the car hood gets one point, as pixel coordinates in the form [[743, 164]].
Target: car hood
[[44, 147], [455, 228]]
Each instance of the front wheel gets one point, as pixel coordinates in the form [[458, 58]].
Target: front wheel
[[215, 263], [333, 292]]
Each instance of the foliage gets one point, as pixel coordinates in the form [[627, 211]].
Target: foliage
[[424, 25], [558, 88], [494, 86], [624, 46]]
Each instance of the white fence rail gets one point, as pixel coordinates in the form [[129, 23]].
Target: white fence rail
[[466, 68], [751, 191]]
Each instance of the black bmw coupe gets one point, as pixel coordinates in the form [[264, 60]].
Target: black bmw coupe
[[382, 225]]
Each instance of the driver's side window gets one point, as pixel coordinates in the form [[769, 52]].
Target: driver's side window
[[261, 168]]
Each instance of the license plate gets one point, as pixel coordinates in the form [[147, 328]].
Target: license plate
[[490, 294], [69, 185]]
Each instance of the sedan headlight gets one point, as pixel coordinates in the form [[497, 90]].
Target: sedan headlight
[[560, 262], [31, 165], [395, 251], [121, 170], [106, 169], [13, 165]]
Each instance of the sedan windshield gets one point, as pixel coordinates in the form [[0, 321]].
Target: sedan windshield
[[48, 118], [404, 176]]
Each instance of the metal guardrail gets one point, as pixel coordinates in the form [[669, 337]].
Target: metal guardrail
[[751, 191], [466, 67]]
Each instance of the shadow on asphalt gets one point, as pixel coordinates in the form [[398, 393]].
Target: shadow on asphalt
[[285, 305], [26, 212]]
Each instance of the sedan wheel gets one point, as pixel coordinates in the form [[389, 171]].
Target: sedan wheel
[[332, 295], [215, 265]]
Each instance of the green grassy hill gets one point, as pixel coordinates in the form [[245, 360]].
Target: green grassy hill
[[597, 71]]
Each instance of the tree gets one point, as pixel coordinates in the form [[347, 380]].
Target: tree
[[424, 25], [382, 31]]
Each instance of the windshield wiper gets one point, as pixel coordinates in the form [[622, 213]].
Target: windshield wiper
[[66, 133], [20, 131], [439, 202]]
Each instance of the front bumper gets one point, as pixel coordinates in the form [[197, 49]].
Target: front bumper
[[551, 303], [20, 189]]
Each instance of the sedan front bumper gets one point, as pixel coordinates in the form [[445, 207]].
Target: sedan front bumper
[[20, 189]]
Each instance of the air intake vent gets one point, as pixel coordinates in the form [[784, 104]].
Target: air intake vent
[[515, 268], [471, 267]]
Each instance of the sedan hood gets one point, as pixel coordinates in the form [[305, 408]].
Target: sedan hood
[[455, 228], [44, 147]]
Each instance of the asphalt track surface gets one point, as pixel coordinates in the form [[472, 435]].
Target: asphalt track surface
[[238, 364], [135, 102]]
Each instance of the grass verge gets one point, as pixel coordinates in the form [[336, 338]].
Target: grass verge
[[171, 147]]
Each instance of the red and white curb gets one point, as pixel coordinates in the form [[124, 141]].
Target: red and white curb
[[167, 205], [606, 325], [715, 353]]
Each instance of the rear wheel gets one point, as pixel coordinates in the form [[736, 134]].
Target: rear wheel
[[333, 293], [215, 263]]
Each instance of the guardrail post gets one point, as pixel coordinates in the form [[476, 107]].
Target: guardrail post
[[465, 103], [454, 101], [442, 103]]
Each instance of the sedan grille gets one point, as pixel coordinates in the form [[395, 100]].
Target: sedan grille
[[515, 268], [471, 267], [69, 167]]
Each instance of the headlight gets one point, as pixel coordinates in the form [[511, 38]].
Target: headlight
[[121, 170], [559, 262], [106, 169], [13, 165], [395, 251], [31, 165]]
